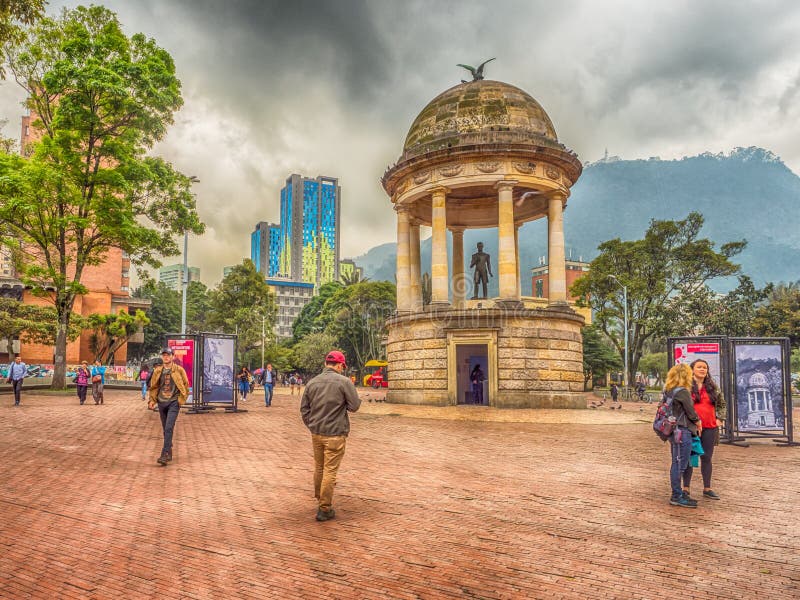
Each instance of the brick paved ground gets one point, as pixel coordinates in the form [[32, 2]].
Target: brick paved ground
[[426, 508]]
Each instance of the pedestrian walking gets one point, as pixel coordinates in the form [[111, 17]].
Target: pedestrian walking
[[98, 381], [709, 404], [292, 383], [269, 382], [687, 424], [17, 371], [327, 399], [243, 377], [82, 379], [614, 392], [169, 389], [144, 374]]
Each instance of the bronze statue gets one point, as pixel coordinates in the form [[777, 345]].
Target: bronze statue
[[483, 269], [477, 74]]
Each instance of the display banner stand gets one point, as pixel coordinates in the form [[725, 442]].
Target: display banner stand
[[186, 353], [754, 375], [216, 386]]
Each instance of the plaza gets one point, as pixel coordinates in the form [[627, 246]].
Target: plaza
[[452, 502]]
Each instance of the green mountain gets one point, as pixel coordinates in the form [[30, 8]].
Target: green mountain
[[747, 194]]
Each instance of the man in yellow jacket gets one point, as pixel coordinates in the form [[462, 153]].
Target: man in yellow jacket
[[169, 389]]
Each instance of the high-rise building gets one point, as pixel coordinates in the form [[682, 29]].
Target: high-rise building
[[305, 246], [291, 297], [172, 275], [349, 270], [262, 241]]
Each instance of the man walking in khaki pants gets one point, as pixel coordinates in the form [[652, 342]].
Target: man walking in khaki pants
[[324, 407]]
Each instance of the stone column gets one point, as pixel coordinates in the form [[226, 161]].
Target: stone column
[[556, 261], [403, 261], [416, 282], [507, 259], [460, 282], [519, 264], [440, 281]]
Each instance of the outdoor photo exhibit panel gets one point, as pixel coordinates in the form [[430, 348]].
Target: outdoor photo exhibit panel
[[184, 349], [218, 369], [762, 386]]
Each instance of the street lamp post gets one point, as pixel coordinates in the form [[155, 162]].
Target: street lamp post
[[263, 319], [192, 179], [625, 326]]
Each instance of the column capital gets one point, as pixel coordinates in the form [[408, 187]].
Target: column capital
[[440, 190], [402, 209], [506, 184], [457, 228]]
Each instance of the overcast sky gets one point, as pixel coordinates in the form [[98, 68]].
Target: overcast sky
[[330, 88]]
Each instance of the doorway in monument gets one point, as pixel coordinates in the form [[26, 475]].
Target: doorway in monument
[[468, 357]]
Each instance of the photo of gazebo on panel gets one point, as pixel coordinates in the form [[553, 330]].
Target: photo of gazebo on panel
[[760, 393]]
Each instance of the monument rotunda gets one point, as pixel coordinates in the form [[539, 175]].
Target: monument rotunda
[[482, 154]]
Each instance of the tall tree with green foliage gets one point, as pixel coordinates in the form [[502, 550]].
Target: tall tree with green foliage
[[599, 357], [164, 314], [779, 316], [310, 352], [13, 15], [99, 100], [112, 331], [308, 321], [243, 304], [356, 317], [198, 307], [671, 261], [33, 323]]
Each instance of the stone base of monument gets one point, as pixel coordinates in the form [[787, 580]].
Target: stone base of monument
[[532, 358]]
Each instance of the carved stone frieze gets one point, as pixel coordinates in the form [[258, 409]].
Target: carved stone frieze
[[422, 177], [552, 173], [525, 168], [487, 167], [451, 170]]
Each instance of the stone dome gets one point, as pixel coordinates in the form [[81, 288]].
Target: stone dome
[[758, 380], [480, 112]]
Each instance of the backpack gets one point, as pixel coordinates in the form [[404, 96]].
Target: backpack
[[665, 422]]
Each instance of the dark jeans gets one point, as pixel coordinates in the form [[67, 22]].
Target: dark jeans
[[268, 393], [477, 393], [681, 451], [169, 414], [16, 385], [82, 393], [707, 439]]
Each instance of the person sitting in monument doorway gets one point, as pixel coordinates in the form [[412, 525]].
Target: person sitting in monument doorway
[[477, 378], [481, 262]]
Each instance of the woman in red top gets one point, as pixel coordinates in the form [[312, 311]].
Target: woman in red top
[[709, 404]]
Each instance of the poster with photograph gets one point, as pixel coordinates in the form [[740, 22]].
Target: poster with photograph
[[760, 392], [689, 351], [183, 355], [218, 365]]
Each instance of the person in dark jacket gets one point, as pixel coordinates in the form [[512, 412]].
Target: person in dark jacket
[[709, 403], [687, 424], [324, 406]]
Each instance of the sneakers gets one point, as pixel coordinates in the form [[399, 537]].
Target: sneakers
[[325, 516], [689, 498], [710, 494], [164, 459], [683, 501]]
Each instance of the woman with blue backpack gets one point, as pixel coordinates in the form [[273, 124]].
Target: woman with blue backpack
[[687, 424]]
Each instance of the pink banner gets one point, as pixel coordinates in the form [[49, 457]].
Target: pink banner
[[184, 356]]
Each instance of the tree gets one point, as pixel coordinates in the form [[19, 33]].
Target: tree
[[32, 322], [356, 317], [599, 357], [654, 364], [198, 307], [780, 315], [308, 321], [164, 314], [14, 13], [310, 352], [238, 305], [112, 331], [352, 278], [99, 102], [672, 261]]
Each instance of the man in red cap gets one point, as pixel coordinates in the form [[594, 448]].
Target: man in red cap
[[326, 400]]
